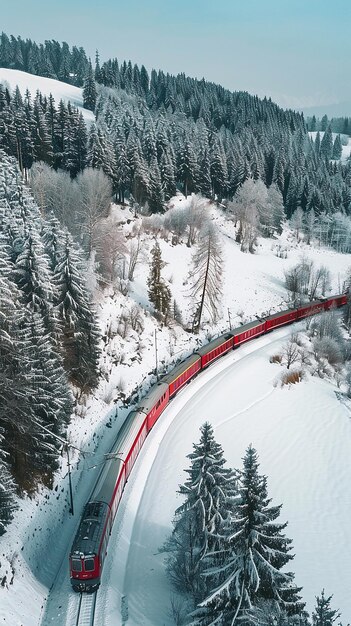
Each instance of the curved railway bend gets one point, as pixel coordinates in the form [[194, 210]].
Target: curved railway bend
[[79, 609]]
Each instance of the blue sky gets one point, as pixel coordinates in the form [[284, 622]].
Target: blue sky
[[295, 51]]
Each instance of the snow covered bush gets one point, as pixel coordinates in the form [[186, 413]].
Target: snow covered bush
[[329, 349], [291, 377]]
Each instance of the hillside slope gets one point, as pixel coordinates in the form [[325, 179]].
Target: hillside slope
[[38, 540]]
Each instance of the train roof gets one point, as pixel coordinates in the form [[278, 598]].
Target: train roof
[[309, 304], [280, 314], [128, 433], [149, 400], [212, 345], [113, 465], [87, 539], [245, 327], [106, 482], [179, 369]]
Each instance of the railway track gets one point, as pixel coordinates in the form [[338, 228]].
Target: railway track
[[86, 609]]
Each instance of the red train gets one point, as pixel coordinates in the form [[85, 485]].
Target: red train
[[89, 547]]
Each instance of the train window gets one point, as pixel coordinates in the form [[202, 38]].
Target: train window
[[89, 565], [76, 565]]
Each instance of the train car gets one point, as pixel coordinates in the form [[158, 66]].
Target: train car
[[336, 301], [312, 308], [90, 544], [215, 349], [248, 331], [182, 373], [280, 319], [154, 403]]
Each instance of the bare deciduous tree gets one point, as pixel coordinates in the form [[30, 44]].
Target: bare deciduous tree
[[249, 202], [175, 220], [136, 318], [196, 216], [135, 248], [320, 280], [94, 200], [55, 192], [110, 247], [327, 325], [291, 352], [293, 284], [305, 280], [296, 222]]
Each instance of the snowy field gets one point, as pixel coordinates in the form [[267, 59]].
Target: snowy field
[[302, 435], [47, 86], [303, 438]]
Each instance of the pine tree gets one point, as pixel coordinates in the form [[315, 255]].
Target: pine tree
[[7, 492], [204, 181], [337, 148], [159, 293], [167, 171], [317, 144], [187, 168], [32, 276], [89, 90], [208, 491], [34, 394], [323, 614], [42, 145], [218, 170], [95, 151], [156, 198], [254, 552], [275, 201], [141, 184], [122, 173], [324, 122], [81, 335], [97, 73], [326, 149]]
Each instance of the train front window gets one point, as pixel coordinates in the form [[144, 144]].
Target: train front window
[[89, 565], [76, 565]]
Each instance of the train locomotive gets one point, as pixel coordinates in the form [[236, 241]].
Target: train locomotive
[[89, 547]]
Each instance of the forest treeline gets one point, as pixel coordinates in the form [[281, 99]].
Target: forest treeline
[[156, 133], [49, 338], [153, 134]]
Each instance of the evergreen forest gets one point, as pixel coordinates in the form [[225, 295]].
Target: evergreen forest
[[153, 134], [156, 133]]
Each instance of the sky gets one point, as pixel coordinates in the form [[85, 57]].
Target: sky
[[294, 51]]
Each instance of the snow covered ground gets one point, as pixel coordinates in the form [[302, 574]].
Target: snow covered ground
[[47, 86], [302, 435]]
